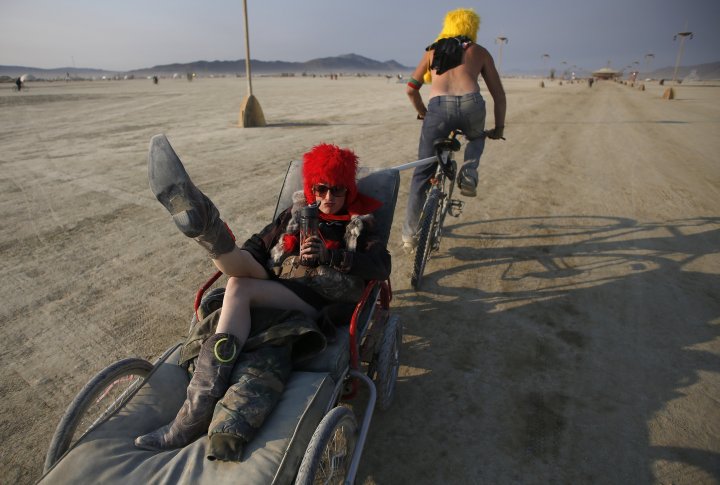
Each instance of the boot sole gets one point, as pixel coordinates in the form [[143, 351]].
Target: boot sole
[[468, 192]]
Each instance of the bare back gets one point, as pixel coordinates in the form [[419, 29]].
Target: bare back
[[461, 80]]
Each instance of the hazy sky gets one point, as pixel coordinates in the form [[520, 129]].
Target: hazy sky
[[131, 34]]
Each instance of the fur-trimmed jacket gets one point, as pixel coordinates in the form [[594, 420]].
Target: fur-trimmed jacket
[[354, 246]]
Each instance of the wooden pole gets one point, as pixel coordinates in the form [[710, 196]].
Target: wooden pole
[[251, 114], [247, 49]]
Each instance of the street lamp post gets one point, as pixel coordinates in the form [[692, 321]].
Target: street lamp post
[[648, 57], [545, 57], [500, 40], [683, 36]]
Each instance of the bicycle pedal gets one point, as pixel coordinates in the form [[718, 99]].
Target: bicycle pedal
[[456, 207]]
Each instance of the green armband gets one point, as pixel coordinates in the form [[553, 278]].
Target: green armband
[[414, 83]]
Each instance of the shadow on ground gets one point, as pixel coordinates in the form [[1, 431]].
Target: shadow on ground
[[578, 369]]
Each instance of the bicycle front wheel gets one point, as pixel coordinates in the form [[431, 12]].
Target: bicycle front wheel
[[426, 236]]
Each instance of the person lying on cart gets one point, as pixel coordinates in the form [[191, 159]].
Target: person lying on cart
[[276, 268]]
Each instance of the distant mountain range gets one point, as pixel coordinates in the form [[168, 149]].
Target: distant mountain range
[[704, 72], [348, 63], [701, 72]]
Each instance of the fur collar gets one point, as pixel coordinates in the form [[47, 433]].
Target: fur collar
[[352, 231]]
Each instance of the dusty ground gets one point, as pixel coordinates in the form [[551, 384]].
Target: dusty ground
[[567, 332]]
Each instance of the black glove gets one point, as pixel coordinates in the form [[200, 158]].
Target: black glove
[[496, 134]]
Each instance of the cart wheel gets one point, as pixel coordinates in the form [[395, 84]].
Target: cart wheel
[[328, 456], [100, 397], [387, 363], [210, 302]]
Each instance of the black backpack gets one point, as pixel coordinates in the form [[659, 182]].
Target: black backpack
[[448, 53]]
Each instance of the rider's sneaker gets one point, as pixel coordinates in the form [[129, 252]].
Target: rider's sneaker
[[467, 180], [409, 244]]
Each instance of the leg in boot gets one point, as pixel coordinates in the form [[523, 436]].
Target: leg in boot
[[194, 214], [259, 380], [208, 384]]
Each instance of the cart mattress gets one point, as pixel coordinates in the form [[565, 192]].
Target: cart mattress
[[107, 454]]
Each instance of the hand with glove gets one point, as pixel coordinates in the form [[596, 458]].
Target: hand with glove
[[496, 133]]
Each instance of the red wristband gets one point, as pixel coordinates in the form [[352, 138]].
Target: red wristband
[[414, 83]]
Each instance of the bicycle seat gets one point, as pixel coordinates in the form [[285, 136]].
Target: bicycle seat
[[452, 144]]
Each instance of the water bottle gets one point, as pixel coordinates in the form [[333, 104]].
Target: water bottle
[[308, 227]]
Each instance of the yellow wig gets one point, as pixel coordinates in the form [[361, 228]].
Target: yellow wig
[[462, 21]]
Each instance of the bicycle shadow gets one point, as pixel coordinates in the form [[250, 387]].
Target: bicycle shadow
[[582, 364]]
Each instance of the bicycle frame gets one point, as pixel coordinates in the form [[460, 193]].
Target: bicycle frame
[[438, 203], [444, 183]]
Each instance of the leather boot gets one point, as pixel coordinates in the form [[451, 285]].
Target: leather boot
[[208, 384], [194, 214]]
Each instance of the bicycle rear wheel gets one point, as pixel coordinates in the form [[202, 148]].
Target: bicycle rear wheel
[[426, 234]]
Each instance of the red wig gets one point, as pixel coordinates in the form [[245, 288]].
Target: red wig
[[335, 166], [332, 165]]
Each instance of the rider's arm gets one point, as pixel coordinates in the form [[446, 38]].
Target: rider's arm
[[494, 85], [416, 82]]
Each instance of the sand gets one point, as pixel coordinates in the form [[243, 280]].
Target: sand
[[567, 331]]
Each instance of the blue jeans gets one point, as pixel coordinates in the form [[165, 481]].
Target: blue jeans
[[444, 114]]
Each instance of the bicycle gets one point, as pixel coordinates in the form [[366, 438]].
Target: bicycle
[[438, 204]]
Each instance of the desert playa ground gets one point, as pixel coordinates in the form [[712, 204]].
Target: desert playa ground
[[568, 331]]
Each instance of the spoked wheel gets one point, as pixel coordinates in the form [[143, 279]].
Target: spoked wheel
[[328, 456], [100, 397], [388, 363], [425, 238]]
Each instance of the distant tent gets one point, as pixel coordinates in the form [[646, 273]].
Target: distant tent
[[605, 73]]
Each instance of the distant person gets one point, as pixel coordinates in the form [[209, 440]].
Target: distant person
[[19, 84], [453, 64], [155, 79]]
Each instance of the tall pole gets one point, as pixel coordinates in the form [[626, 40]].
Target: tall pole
[[247, 48], [251, 113], [683, 36], [648, 57], [500, 40]]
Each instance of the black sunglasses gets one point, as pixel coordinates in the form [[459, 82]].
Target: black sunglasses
[[321, 190]]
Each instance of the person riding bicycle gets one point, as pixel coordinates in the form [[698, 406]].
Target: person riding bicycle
[[278, 268], [452, 64]]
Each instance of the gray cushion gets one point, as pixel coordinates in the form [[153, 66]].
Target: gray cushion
[[107, 454], [335, 359]]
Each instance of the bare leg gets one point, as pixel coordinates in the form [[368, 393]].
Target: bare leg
[[240, 263], [243, 293]]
